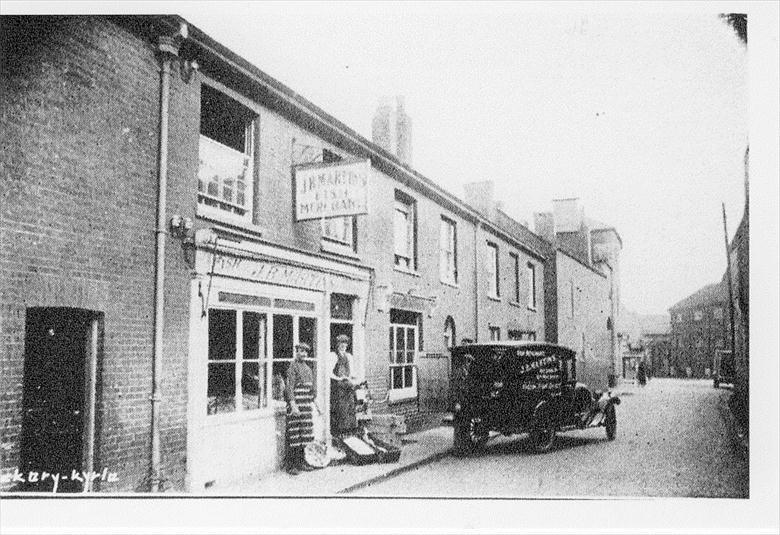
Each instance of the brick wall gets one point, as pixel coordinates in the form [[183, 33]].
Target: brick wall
[[79, 144]]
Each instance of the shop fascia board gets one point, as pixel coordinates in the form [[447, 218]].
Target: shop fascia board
[[210, 242]]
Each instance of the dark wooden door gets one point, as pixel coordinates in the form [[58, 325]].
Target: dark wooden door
[[54, 395]]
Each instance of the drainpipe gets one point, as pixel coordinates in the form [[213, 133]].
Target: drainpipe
[[477, 224], [168, 48]]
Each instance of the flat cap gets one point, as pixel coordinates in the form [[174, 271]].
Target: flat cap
[[303, 345], [342, 339]]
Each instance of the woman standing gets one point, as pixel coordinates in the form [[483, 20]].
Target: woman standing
[[300, 392], [342, 389]]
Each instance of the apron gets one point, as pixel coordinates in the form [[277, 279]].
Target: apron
[[342, 399], [300, 429]]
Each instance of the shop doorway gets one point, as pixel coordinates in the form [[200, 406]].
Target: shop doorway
[[287, 331], [58, 396]]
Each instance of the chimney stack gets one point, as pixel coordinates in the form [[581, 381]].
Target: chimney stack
[[480, 196], [391, 129]]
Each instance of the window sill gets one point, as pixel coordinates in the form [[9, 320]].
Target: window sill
[[515, 304], [402, 395], [327, 246], [531, 309], [449, 283], [406, 271], [494, 298], [220, 216], [228, 418]]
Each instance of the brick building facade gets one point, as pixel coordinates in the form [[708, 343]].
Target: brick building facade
[[699, 326], [177, 333]]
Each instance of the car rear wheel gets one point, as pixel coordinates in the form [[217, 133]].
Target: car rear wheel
[[611, 423], [543, 436], [470, 435]]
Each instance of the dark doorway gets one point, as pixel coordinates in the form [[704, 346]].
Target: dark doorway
[[57, 346]]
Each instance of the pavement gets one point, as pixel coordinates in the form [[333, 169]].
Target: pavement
[[417, 450]]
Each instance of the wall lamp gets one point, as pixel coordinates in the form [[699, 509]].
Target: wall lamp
[[182, 229]]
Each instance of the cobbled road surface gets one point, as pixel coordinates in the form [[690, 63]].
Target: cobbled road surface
[[672, 441]]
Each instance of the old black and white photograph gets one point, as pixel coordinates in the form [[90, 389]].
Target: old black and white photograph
[[449, 267]]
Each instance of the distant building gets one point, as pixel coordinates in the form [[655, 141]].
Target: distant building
[[699, 326], [658, 352], [587, 284]]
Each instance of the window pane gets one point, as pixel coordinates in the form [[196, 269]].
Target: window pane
[[408, 376], [411, 339], [307, 333], [401, 233], [492, 259], [252, 384], [341, 307], [396, 378], [399, 356], [254, 336], [400, 343], [392, 342], [221, 387], [222, 334]]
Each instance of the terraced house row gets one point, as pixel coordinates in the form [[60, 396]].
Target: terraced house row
[[174, 221]]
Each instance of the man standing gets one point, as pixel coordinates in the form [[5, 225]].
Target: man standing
[[300, 392], [342, 389]]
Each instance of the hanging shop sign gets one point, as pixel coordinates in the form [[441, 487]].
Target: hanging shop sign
[[331, 190]]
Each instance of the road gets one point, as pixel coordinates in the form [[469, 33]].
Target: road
[[672, 441]]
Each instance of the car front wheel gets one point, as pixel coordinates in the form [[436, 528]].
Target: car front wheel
[[470, 434], [611, 423], [543, 436]]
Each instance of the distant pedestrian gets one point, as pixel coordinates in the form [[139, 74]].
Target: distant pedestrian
[[641, 373], [300, 392]]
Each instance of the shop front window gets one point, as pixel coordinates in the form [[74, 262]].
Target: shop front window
[[237, 361]]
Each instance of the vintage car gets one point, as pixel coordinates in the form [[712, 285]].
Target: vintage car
[[522, 387]]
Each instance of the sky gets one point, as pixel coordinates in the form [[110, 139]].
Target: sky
[[638, 109], [642, 116]]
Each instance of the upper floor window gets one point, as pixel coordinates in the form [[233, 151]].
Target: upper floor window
[[226, 154], [531, 270], [495, 333], [448, 251], [340, 230], [339, 234], [697, 315], [494, 287], [571, 298], [515, 260], [405, 232]]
